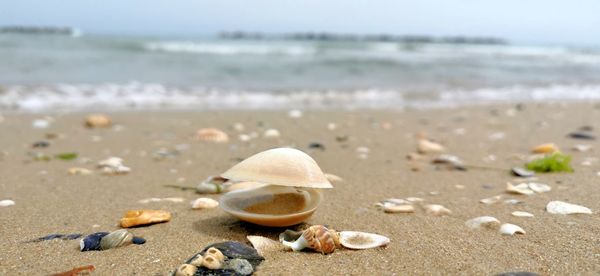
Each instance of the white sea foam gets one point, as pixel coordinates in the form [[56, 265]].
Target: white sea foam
[[144, 96], [228, 48]]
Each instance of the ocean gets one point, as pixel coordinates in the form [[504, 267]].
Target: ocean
[[40, 73]]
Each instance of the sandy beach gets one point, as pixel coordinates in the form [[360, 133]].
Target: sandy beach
[[49, 200]]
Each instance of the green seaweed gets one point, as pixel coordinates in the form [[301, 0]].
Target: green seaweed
[[66, 156], [556, 162]]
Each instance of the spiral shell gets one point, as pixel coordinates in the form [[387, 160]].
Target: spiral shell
[[321, 239]]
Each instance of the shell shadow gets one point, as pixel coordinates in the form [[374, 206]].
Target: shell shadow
[[224, 227]]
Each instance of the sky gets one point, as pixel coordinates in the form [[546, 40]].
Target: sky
[[523, 21]]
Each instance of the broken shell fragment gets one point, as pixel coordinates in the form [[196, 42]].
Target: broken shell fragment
[[144, 217], [186, 270], [450, 162], [115, 239], [402, 208], [582, 148], [436, 210], [564, 208], [545, 148], [204, 203], [361, 240], [271, 133], [6, 203], [113, 165], [212, 185], [484, 221], [264, 245], [427, 146], [97, 120], [521, 214], [511, 229], [317, 238], [491, 200], [522, 189], [212, 135], [539, 187], [518, 171], [333, 177], [79, 171]]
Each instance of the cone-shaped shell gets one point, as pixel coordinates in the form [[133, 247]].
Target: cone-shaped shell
[[280, 166]]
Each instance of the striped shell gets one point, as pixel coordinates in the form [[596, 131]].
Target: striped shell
[[321, 239]]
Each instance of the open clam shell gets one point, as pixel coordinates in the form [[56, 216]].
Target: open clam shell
[[282, 167], [270, 205]]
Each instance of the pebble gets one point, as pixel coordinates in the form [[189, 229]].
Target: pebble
[[6, 203], [511, 229], [564, 208], [204, 203]]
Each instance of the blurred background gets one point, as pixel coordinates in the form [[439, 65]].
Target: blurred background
[[234, 54]]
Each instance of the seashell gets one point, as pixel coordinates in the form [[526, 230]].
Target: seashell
[[264, 245], [238, 127], [402, 208], [92, 241], [539, 188], [6, 203], [79, 171], [521, 214], [113, 165], [280, 166], [212, 185], [414, 199], [211, 262], [186, 270], [512, 201], [212, 135], [271, 133], [316, 145], [40, 123], [545, 148], [484, 221], [244, 137], [270, 205], [436, 210], [450, 162], [144, 217], [240, 266], [216, 253], [425, 146], [564, 208], [64, 237], [522, 172], [522, 189], [332, 126], [115, 239], [361, 240], [204, 203], [317, 238], [582, 148], [295, 113], [584, 135], [233, 252], [230, 187], [333, 178], [511, 229], [491, 200], [97, 120]]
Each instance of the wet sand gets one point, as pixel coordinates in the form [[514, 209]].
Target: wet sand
[[48, 200]]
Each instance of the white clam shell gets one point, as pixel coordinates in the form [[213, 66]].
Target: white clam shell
[[511, 229], [264, 245], [280, 166], [362, 240], [522, 214], [491, 200], [539, 187], [484, 221], [436, 210], [522, 189], [204, 203], [6, 203], [564, 208]]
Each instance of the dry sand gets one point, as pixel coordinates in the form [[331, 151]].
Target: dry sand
[[48, 200]]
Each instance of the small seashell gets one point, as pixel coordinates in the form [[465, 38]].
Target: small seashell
[[425, 146], [436, 210], [144, 217], [511, 229], [361, 240], [333, 178], [414, 199], [97, 120], [539, 187], [92, 241], [40, 123], [518, 171], [216, 253], [582, 148], [238, 127], [584, 135], [491, 200], [484, 221], [212, 135], [113, 165], [211, 262], [244, 137], [545, 148], [522, 189], [240, 266], [204, 203], [521, 214], [512, 201], [404, 208], [264, 245], [564, 208], [317, 238], [6, 203], [271, 133], [79, 171], [115, 239], [212, 185], [451, 162], [295, 113], [332, 126], [186, 270]]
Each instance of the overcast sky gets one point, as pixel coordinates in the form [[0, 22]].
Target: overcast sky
[[525, 21]]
